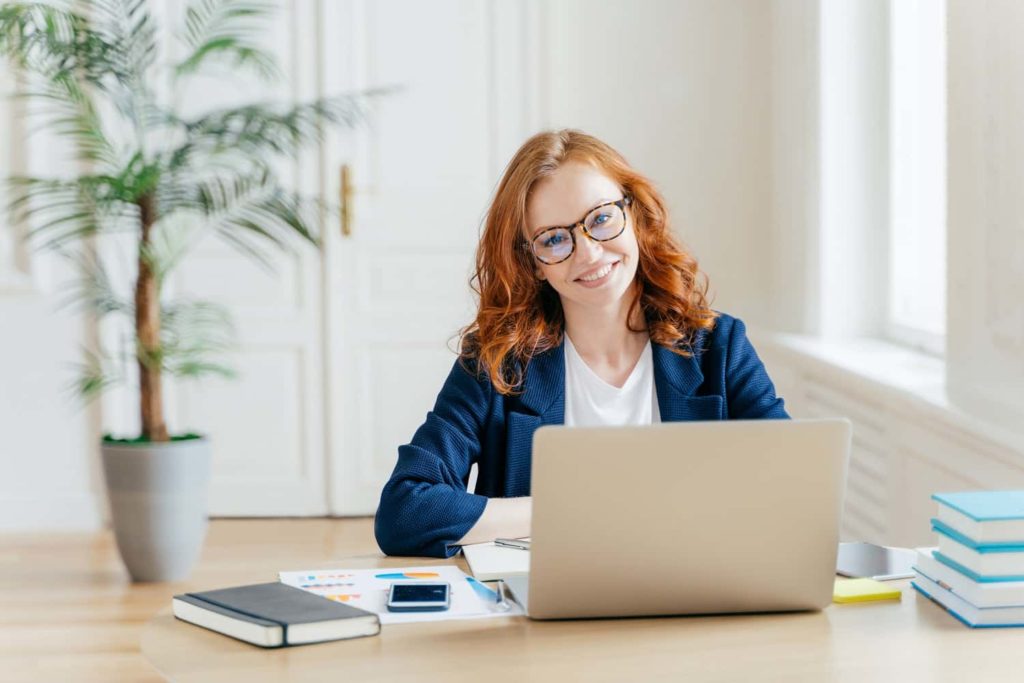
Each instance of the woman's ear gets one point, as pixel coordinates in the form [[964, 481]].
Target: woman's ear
[[540, 274]]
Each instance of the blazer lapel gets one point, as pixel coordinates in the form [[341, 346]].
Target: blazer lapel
[[541, 403], [676, 378], [544, 391]]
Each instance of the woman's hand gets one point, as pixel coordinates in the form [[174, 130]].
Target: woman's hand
[[502, 518]]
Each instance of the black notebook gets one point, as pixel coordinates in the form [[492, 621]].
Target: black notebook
[[274, 615]]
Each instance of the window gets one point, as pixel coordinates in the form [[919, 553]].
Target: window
[[917, 182]]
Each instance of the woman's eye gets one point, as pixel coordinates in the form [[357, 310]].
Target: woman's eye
[[553, 240], [602, 218]]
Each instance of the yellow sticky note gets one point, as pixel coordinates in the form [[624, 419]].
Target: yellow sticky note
[[862, 590]]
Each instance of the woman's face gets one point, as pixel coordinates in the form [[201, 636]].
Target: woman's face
[[565, 198]]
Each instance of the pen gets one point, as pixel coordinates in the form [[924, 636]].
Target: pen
[[512, 543], [503, 603]]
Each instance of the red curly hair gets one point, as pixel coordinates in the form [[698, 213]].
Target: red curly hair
[[520, 315]]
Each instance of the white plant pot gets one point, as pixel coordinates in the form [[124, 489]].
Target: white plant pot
[[158, 504]]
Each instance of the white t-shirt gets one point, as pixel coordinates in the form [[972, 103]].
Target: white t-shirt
[[592, 402]]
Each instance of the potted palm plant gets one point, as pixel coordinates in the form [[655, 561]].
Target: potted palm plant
[[162, 179]]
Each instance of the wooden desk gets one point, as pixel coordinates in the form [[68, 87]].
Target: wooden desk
[[909, 641]]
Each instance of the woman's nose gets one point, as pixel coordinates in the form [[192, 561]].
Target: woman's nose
[[586, 248]]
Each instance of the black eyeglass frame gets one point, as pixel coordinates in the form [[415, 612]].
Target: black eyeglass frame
[[581, 224]]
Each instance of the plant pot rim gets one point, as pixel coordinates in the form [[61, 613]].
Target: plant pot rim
[[195, 440]]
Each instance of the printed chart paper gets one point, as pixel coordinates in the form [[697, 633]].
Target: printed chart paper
[[368, 589]]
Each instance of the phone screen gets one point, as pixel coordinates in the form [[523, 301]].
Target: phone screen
[[419, 593]]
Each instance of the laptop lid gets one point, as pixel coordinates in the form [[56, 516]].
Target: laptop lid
[[686, 517]]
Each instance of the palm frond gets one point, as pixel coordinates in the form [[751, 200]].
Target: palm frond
[[276, 216], [71, 112], [58, 210], [57, 43], [171, 238], [95, 374], [260, 129], [194, 333], [200, 198], [62, 211], [107, 49], [251, 203], [128, 25], [226, 29], [93, 290]]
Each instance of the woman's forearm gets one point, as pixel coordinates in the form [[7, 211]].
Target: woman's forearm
[[502, 518]]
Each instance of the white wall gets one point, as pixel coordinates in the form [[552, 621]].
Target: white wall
[[47, 454], [795, 166], [986, 231], [682, 90], [49, 476]]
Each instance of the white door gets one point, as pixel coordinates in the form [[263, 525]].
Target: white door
[[398, 283]]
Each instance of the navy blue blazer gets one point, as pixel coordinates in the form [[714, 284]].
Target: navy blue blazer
[[425, 508]]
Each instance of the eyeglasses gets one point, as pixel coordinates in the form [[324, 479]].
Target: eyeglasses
[[602, 224]]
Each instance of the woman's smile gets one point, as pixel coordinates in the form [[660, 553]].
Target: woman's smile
[[598, 276]]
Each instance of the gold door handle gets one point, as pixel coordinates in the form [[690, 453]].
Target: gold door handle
[[345, 196]]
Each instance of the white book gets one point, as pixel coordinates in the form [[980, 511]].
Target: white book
[[994, 594], [972, 615], [983, 532], [987, 564], [489, 562]]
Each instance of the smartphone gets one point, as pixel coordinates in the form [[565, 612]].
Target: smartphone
[[879, 562], [419, 596]]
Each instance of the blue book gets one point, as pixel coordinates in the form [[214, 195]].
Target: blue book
[[986, 518]]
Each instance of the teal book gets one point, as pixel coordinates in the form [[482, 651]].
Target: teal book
[[984, 518]]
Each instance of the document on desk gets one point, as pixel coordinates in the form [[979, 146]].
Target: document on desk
[[489, 562], [368, 589]]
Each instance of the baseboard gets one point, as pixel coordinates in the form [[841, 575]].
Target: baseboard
[[81, 512]]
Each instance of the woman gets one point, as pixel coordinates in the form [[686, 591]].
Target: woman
[[590, 313]]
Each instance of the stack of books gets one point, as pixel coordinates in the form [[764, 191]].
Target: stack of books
[[977, 571]]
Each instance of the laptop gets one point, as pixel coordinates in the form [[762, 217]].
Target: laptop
[[684, 518]]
